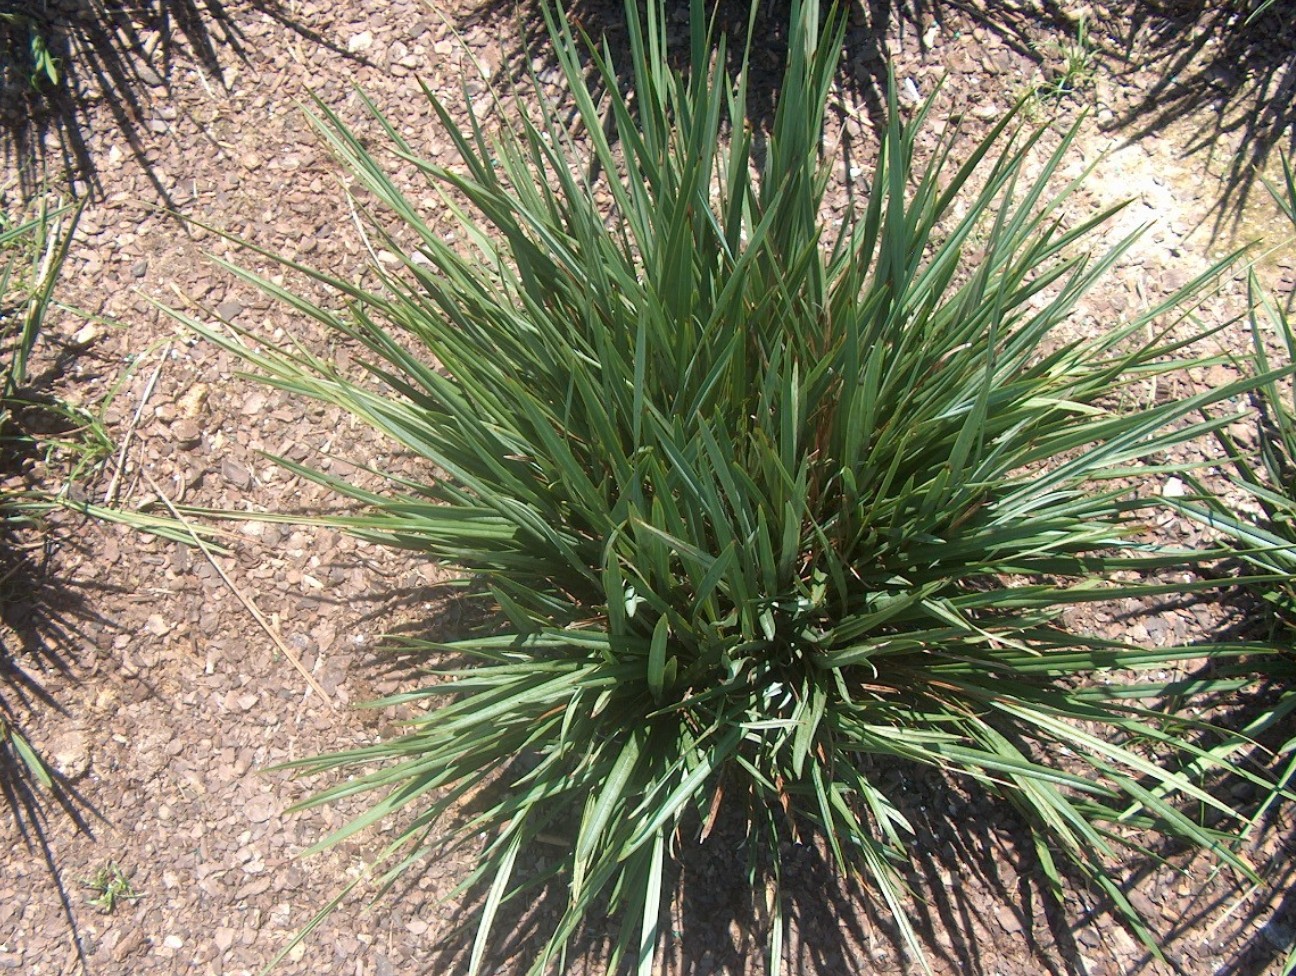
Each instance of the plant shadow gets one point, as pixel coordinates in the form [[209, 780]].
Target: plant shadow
[[1234, 80], [42, 622], [1264, 712], [119, 56], [1250, 717], [962, 870], [863, 68]]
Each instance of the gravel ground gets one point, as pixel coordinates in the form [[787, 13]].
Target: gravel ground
[[162, 683]]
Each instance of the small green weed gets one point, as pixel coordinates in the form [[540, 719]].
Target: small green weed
[[111, 885], [1070, 65]]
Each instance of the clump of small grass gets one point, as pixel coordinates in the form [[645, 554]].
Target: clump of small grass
[[755, 500], [71, 443], [36, 426], [111, 886], [1070, 65], [32, 252]]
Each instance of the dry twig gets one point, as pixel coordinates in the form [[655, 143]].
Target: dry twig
[[243, 598]]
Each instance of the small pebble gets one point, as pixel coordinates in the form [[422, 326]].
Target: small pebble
[[86, 335]]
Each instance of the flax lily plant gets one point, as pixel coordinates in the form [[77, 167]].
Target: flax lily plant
[[755, 500]]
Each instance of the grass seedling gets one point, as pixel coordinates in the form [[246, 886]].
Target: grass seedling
[[1067, 68], [1070, 66], [111, 886]]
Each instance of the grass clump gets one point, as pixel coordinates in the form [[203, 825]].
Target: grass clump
[[1263, 531], [757, 501], [111, 886], [52, 450], [1266, 537], [1072, 65], [32, 252], [39, 429]]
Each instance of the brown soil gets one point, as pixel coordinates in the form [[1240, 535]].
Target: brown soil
[[139, 667]]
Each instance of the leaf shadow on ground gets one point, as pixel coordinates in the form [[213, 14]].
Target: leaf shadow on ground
[[1262, 709], [873, 29], [42, 622], [972, 867], [863, 69], [1234, 81], [120, 56], [1266, 712], [966, 867]]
